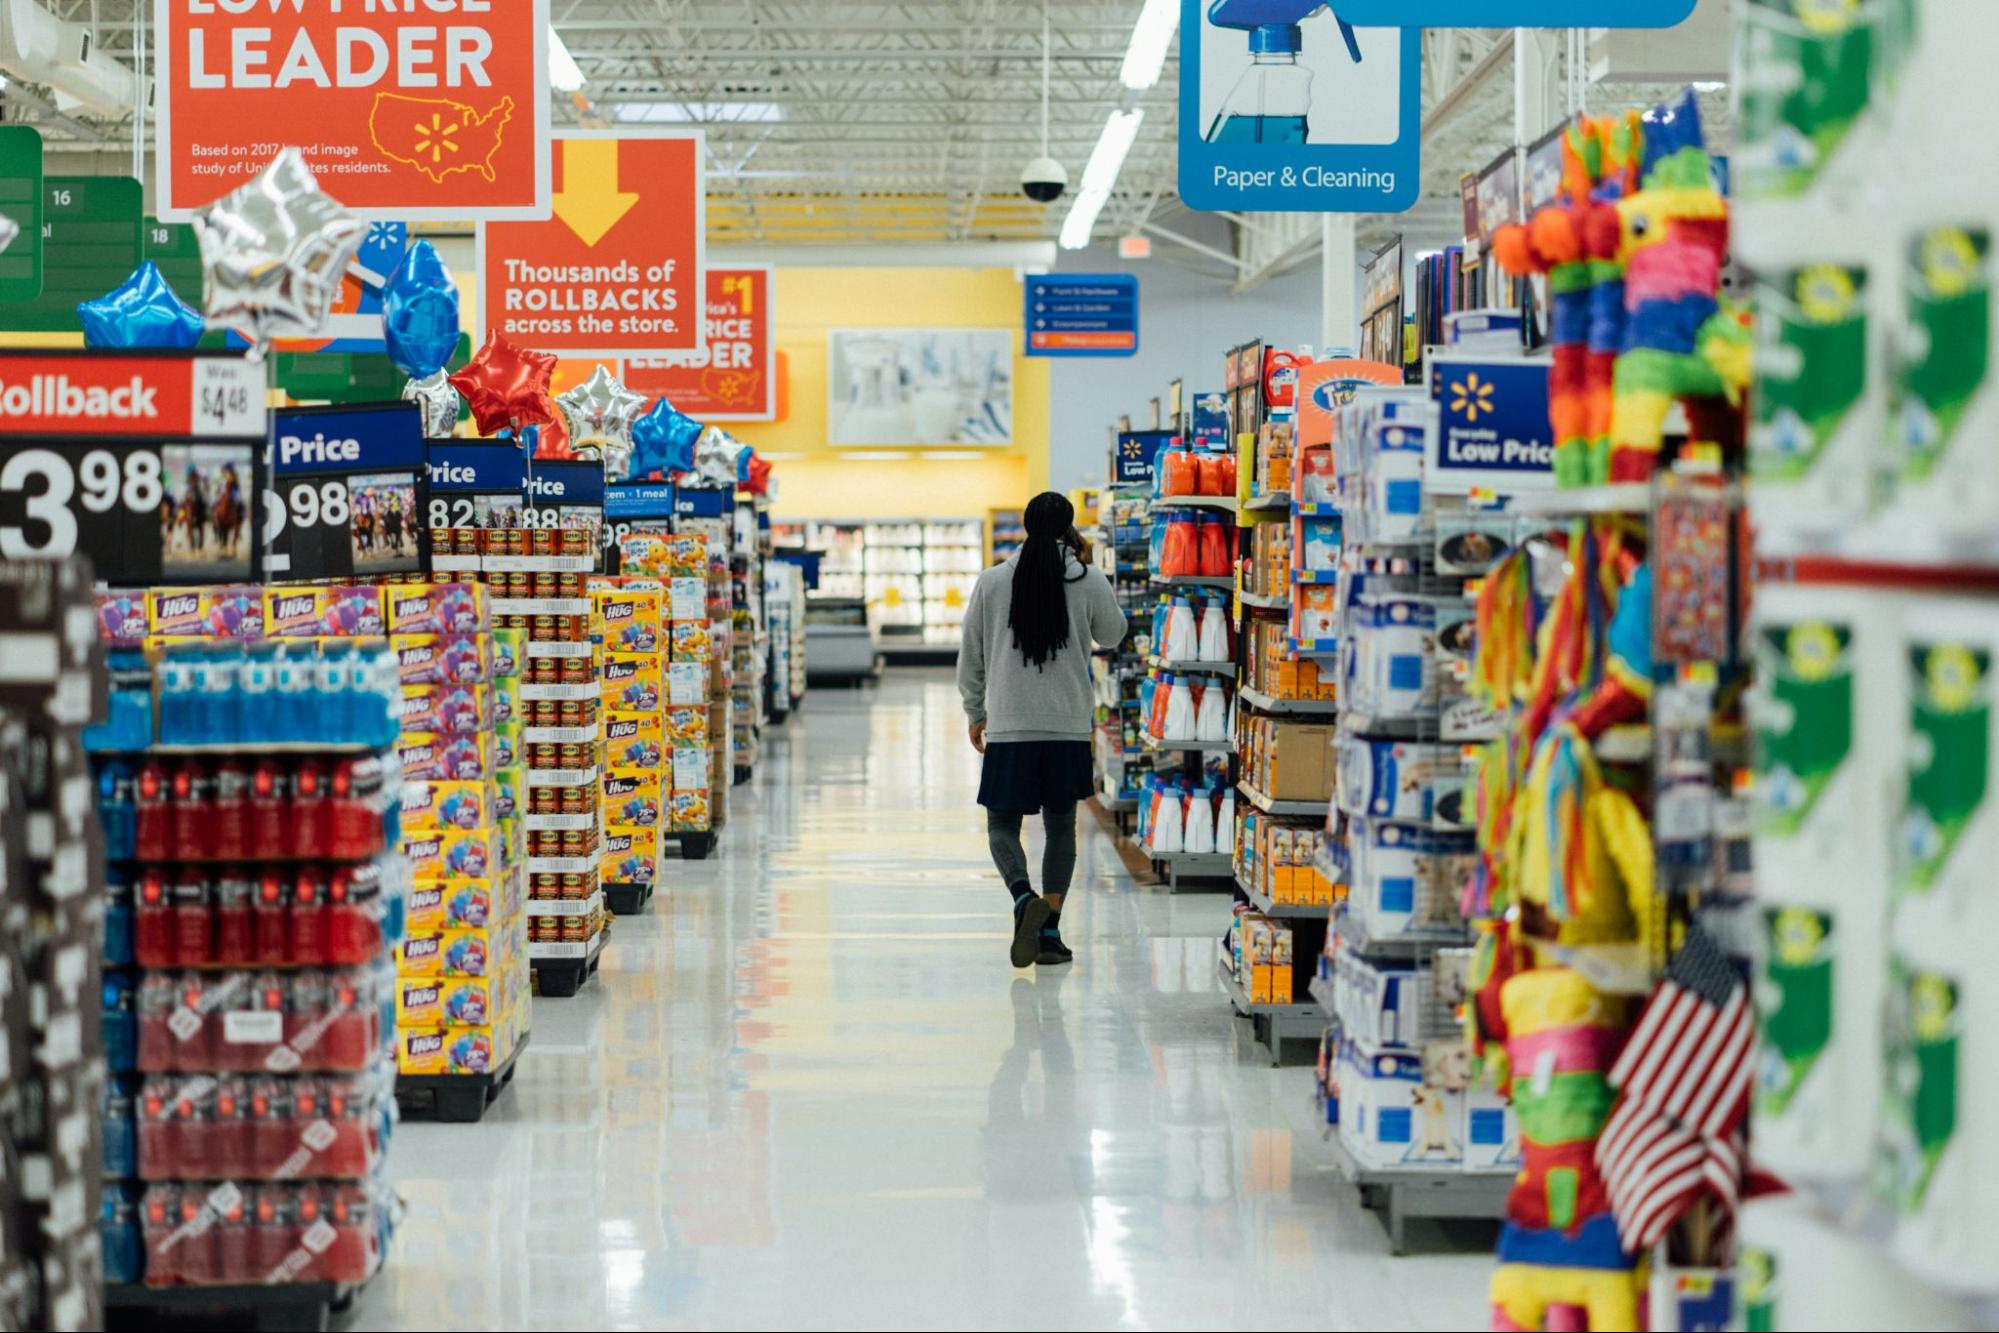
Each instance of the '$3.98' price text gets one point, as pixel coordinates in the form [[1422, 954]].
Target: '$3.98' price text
[[98, 482]]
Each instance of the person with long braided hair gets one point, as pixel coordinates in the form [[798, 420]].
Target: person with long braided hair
[[1024, 674]]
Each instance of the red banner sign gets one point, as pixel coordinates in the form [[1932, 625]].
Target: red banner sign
[[420, 112], [110, 394], [735, 378]]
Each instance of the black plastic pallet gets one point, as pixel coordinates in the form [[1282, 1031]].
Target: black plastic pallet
[[743, 774], [627, 899], [559, 978], [693, 846], [454, 1099], [269, 1308]]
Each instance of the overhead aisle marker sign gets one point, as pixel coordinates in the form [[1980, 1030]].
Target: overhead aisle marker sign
[[1082, 314]]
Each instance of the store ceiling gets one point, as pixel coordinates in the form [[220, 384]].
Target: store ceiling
[[854, 122]]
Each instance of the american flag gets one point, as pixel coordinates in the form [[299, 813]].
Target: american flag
[[1677, 1130]]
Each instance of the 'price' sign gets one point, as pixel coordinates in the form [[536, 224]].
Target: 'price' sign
[[347, 493], [144, 463]]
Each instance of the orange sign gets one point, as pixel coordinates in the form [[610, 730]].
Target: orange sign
[[735, 377], [617, 271], [415, 112]]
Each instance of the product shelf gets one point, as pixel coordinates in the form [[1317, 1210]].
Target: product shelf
[[455, 1099], [1226, 582], [271, 1305], [1275, 502], [1626, 497], [1225, 503], [1154, 745], [561, 967], [561, 777], [1290, 911], [570, 649], [561, 823], [1265, 601], [1270, 805], [1191, 664], [559, 693], [1270, 703], [1403, 1192], [1355, 936], [1315, 576]]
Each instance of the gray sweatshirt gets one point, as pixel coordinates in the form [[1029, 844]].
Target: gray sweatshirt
[[1019, 702]]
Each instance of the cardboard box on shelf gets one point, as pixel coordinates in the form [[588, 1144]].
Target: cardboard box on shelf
[[436, 1002]]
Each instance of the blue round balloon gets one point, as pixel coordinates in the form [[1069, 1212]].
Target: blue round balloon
[[663, 441], [420, 313], [141, 312]]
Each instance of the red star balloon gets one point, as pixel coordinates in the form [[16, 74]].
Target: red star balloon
[[552, 441], [759, 478], [507, 385]]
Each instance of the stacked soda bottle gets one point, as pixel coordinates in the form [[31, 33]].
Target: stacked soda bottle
[[257, 898], [461, 983]]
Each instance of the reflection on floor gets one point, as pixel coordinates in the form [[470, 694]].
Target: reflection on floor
[[807, 1091]]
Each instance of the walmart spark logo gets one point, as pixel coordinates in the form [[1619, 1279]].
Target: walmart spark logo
[[1471, 396], [1133, 449]]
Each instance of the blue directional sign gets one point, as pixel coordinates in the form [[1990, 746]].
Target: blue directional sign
[[1082, 314]]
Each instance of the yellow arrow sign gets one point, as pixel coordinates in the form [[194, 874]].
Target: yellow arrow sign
[[590, 202]]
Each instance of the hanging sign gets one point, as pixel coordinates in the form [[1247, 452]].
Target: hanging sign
[[476, 485], [1287, 107], [346, 493], [1081, 314], [145, 463], [91, 240], [21, 204], [430, 112], [618, 270], [735, 378], [1519, 13], [1138, 453], [702, 501], [1492, 426], [565, 495]]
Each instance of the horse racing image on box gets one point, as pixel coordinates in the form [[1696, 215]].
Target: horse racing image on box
[[204, 516]]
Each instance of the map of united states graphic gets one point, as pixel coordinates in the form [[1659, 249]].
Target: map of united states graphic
[[437, 136]]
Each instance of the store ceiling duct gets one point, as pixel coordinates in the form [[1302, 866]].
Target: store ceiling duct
[[36, 47]]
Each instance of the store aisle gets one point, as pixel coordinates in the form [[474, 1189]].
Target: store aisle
[[807, 1090]]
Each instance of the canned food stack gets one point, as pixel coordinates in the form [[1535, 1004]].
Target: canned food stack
[[633, 629], [539, 578], [683, 564], [51, 1051], [250, 810]]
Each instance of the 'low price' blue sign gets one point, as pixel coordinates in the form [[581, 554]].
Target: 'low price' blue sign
[[1082, 314]]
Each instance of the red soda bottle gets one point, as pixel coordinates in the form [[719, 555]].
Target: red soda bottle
[[274, 1235], [354, 904], [230, 839], [235, 924], [194, 1111], [159, 1130], [309, 810], [270, 993], [272, 1130], [309, 1230], [153, 921], [195, 1024], [158, 998], [230, 1147], [307, 930], [352, 1031], [153, 836], [194, 918], [269, 810], [307, 1029], [345, 1156], [269, 911], [356, 823], [234, 1239], [159, 1218], [308, 1126], [350, 1257], [194, 812], [196, 1247]]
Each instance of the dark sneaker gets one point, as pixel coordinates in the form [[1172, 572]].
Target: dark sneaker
[[1028, 918], [1052, 948]]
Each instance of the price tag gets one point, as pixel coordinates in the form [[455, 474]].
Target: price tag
[[476, 486], [229, 396], [253, 1027], [347, 493]]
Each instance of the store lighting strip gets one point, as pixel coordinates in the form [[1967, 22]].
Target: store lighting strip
[[564, 74], [1144, 61]]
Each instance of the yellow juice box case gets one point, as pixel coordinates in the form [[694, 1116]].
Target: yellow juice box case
[[634, 740], [447, 804]]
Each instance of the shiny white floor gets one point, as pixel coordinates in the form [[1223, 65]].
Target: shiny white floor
[[807, 1091]]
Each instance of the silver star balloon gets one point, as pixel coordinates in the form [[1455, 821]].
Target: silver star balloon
[[599, 413], [439, 402], [9, 229], [717, 456], [274, 252]]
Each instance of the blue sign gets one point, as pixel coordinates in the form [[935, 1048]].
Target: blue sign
[[1519, 13], [1087, 314], [1211, 420], [1138, 452], [566, 485], [320, 440], [1286, 107], [1492, 426], [639, 500], [702, 501], [477, 469]]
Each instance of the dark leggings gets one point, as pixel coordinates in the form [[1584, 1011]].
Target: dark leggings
[[1058, 857]]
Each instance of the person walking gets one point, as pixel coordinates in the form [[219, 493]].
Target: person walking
[[1024, 674]]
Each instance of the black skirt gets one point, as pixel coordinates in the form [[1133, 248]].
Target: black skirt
[[1020, 777]]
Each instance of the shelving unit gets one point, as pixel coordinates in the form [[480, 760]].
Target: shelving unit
[[916, 575], [1288, 707], [1271, 1024], [1272, 806]]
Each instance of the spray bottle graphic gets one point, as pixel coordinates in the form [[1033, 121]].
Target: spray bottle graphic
[[1272, 102]]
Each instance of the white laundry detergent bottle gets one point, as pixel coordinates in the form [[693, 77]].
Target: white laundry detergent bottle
[[1211, 720], [1182, 637], [1179, 723], [1200, 822], [1225, 822], [1169, 822], [1214, 635]]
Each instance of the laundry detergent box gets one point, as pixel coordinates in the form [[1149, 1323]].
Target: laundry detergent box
[[633, 796], [443, 659], [449, 708], [437, 904], [447, 804], [631, 682], [437, 608], [436, 754], [634, 740], [453, 853], [448, 951], [630, 855], [449, 1001], [308, 612]]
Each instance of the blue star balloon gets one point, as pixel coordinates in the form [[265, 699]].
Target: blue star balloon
[[663, 441], [141, 312], [420, 313]]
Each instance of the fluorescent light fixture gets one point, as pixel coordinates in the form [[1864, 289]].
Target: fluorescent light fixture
[[1082, 220], [876, 455], [1150, 36], [697, 113], [951, 455], [1107, 158], [563, 72]]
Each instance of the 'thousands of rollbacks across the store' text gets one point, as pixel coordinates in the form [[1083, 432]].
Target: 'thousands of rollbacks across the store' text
[[1312, 178], [590, 298]]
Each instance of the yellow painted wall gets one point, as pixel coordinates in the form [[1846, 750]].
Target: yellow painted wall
[[821, 482]]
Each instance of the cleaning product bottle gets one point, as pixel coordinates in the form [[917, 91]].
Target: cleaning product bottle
[[1181, 636], [1272, 102]]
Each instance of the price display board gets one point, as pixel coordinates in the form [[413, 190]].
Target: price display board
[[566, 495], [347, 493], [476, 485], [638, 506], [145, 462]]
